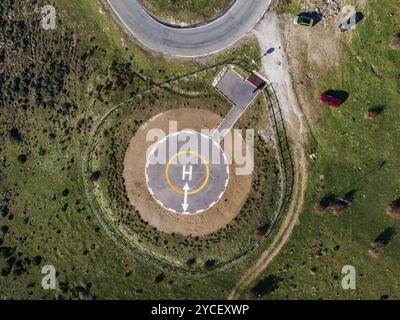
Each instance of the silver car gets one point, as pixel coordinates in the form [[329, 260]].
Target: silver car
[[351, 22]]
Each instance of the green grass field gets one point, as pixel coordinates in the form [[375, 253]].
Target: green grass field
[[186, 11], [55, 91], [359, 159]]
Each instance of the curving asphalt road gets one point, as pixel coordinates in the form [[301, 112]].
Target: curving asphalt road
[[189, 42]]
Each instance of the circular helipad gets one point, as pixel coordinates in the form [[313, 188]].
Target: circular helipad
[[187, 172]]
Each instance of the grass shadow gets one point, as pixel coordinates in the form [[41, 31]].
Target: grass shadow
[[265, 286], [386, 236]]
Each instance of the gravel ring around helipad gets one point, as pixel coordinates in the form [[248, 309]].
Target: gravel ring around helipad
[[150, 211]]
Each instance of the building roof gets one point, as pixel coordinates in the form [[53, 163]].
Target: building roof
[[257, 81]]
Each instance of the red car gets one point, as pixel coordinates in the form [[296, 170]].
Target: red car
[[330, 101]]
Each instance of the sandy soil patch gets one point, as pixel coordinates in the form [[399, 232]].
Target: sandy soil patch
[[137, 192]]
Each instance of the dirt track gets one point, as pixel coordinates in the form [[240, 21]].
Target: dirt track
[[276, 68], [139, 196]]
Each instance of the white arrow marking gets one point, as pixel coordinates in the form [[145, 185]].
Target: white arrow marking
[[185, 204]]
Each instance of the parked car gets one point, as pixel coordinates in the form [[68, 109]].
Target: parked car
[[303, 21], [351, 22], [330, 101]]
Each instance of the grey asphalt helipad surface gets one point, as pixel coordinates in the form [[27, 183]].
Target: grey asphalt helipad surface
[[187, 173], [189, 42]]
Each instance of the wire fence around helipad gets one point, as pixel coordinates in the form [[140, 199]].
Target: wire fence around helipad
[[284, 162]]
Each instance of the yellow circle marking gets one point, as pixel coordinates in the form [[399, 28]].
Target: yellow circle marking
[[171, 185]]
